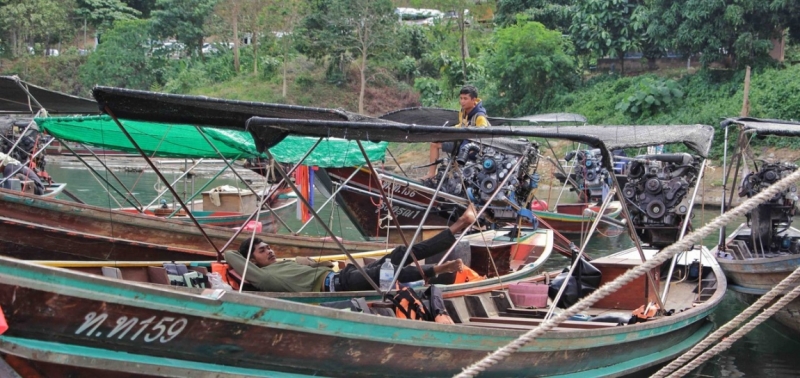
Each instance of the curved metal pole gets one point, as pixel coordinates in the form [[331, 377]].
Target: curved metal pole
[[330, 198], [325, 226], [377, 180], [577, 259], [112, 173], [200, 130], [266, 197], [163, 179], [683, 230], [419, 229]]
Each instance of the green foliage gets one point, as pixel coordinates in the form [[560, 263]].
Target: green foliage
[[270, 66], [186, 79], [183, 19], [740, 29], [27, 21], [407, 68], [429, 90], [553, 14], [121, 60], [526, 66], [651, 96], [103, 13], [606, 27]]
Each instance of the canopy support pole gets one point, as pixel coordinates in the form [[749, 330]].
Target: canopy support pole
[[374, 177], [30, 96], [500, 187], [721, 244], [419, 229], [112, 174], [683, 230], [313, 212], [163, 179], [97, 174], [632, 230], [229, 165], [164, 191], [336, 192], [263, 200]]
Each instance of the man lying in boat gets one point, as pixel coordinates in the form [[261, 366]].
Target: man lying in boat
[[11, 167], [268, 274]]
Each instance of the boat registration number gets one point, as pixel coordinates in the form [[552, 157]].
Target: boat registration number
[[152, 329]]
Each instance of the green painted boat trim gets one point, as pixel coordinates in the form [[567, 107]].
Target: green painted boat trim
[[62, 352], [304, 318], [645, 361], [549, 215]]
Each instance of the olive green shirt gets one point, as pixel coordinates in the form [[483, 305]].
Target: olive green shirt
[[286, 275]]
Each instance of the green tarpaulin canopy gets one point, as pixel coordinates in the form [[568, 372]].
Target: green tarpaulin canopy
[[184, 141]]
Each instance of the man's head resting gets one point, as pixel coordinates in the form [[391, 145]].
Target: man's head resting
[[262, 254]]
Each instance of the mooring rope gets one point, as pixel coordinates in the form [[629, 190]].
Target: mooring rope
[[765, 299], [680, 246]]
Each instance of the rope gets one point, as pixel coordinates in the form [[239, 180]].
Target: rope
[[765, 299], [680, 246]]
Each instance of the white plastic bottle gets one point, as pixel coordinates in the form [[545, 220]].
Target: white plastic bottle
[[386, 276]]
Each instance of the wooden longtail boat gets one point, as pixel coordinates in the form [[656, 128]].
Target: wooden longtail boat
[[760, 253], [318, 340], [34, 227], [514, 260], [80, 315]]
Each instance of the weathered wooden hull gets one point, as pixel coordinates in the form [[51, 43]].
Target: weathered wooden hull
[[253, 332], [365, 208], [99, 232], [751, 278], [789, 315]]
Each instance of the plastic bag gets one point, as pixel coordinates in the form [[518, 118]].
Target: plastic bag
[[216, 282]]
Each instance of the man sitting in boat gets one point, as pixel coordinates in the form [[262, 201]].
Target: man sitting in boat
[[10, 166], [472, 114], [268, 274]]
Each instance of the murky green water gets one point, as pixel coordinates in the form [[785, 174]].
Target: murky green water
[[770, 350]]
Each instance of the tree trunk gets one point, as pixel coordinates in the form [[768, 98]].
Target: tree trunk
[[235, 20], [285, 62], [254, 41], [464, 52], [363, 70]]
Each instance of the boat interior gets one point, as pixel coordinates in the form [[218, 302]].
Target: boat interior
[[515, 304], [744, 245]]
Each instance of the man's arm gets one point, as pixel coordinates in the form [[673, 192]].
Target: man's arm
[[256, 276]]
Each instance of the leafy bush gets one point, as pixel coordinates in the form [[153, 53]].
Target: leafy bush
[[429, 90], [304, 81], [270, 66], [651, 96]]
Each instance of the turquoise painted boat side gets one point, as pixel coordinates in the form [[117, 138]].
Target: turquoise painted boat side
[[275, 313], [639, 363], [76, 355]]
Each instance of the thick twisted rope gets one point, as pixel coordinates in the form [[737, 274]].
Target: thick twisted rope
[[727, 342], [680, 246], [731, 325]]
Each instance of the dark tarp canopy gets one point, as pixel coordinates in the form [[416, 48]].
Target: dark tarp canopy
[[696, 137], [205, 111], [765, 127], [15, 100], [447, 117]]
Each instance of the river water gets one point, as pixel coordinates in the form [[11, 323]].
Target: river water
[[770, 350]]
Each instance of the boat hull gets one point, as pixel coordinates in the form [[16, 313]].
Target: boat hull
[[253, 332], [789, 315], [30, 221]]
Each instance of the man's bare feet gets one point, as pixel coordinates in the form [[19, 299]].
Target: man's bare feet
[[449, 267], [470, 214]]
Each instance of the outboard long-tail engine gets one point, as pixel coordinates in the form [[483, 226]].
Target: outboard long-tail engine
[[11, 131], [483, 167], [775, 215], [656, 194], [589, 174]]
